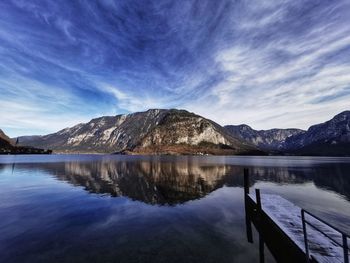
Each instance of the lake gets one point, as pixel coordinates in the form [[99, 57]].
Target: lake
[[114, 208]]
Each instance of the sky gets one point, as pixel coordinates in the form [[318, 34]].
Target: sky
[[266, 63]]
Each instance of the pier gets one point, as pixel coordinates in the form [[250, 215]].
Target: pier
[[291, 233]]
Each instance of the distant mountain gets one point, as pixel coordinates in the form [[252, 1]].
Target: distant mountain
[[159, 131], [156, 131], [267, 140], [331, 138], [8, 147]]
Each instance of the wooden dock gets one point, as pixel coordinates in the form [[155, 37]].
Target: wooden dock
[[291, 233]]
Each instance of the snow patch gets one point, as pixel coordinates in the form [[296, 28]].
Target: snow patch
[[107, 133]]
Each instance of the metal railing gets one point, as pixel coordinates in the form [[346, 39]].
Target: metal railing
[[344, 236]]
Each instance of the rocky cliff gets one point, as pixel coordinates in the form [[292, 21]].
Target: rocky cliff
[[268, 140], [329, 138], [156, 131]]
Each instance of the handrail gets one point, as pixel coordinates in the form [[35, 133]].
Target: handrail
[[343, 234], [319, 230], [324, 222]]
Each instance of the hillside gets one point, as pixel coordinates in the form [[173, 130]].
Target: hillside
[[331, 138], [156, 131], [8, 147], [269, 140]]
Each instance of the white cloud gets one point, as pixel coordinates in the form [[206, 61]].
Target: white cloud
[[273, 63], [129, 101], [305, 88], [32, 107]]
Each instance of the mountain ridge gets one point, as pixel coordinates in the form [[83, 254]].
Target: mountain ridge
[[172, 131], [8, 146], [155, 131], [330, 138], [269, 140]]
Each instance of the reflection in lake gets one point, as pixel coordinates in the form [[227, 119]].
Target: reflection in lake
[[157, 182], [152, 209], [333, 177], [149, 182]]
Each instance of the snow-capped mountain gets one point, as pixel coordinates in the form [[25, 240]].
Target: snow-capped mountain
[[268, 140], [159, 131], [329, 138], [154, 131]]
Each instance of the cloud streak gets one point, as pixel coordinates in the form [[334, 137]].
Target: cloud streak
[[265, 63]]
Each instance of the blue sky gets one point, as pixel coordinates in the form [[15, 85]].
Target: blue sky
[[271, 63]]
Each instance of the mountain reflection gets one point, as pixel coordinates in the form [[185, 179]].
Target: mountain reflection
[[150, 182], [334, 177], [173, 182]]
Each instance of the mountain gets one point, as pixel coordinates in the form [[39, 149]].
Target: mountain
[[8, 147], [331, 138], [5, 143], [4, 137], [156, 131], [159, 131], [267, 140]]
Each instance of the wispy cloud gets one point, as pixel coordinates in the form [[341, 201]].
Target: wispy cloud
[[133, 102], [275, 63], [284, 80]]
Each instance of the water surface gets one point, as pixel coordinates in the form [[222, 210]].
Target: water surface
[[102, 208]]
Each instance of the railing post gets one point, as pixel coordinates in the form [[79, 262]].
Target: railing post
[[261, 249], [258, 199], [261, 240], [305, 236], [346, 249]]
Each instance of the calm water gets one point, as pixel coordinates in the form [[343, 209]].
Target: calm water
[[95, 208]]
